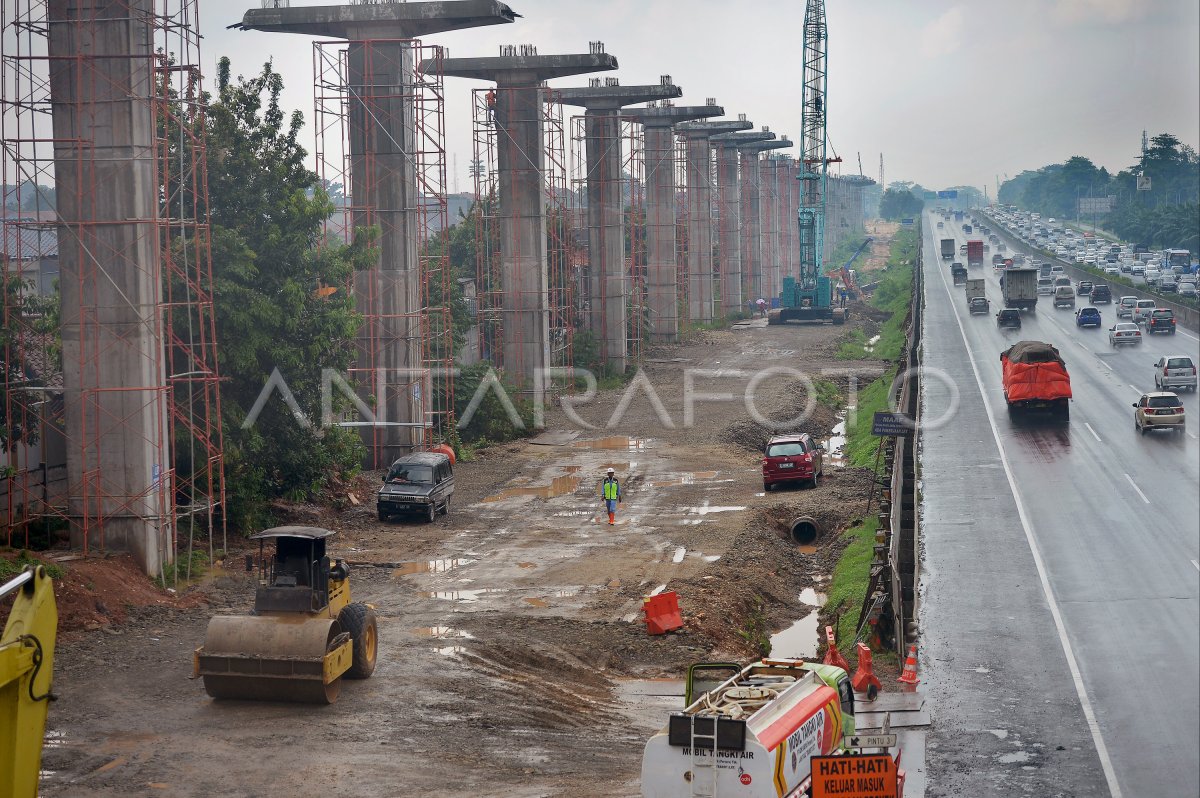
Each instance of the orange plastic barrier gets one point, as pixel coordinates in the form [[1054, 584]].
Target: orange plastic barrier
[[864, 678], [662, 613], [832, 655]]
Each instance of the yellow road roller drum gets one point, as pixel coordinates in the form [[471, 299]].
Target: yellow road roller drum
[[305, 634]]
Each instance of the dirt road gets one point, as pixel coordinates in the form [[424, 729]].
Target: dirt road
[[510, 629]]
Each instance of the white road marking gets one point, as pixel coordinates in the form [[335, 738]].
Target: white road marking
[[1197, 564], [1135, 487], [1136, 389], [1082, 346], [1189, 335], [1191, 434], [1094, 435], [1089, 714]]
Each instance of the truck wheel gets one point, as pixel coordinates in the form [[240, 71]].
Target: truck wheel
[[359, 620], [383, 516], [446, 507], [431, 512], [1012, 413]]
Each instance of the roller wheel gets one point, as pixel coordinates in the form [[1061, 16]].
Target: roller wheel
[[359, 620]]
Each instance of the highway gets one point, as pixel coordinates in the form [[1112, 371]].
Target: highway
[[1060, 608]]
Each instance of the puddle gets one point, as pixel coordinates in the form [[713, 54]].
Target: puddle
[[527, 565], [808, 548], [706, 508], [688, 478], [1015, 757], [430, 566], [797, 641], [443, 633], [615, 443], [536, 602], [870, 345], [835, 444], [811, 597], [1001, 734], [559, 486], [658, 590], [680, 553], [450, 651], [459, 595]]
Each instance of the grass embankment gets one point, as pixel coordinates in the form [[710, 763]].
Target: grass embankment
[[9, 568], [851, 576]]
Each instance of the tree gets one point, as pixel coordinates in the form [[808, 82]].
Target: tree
[[266, 210], [899, 204]]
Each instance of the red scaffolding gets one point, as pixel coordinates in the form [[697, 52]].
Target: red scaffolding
[[78, 426], [633, 172], [682, 282], [361, 88]]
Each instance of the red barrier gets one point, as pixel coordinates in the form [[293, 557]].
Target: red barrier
[[832, 655], [662, 613], [864, 680]]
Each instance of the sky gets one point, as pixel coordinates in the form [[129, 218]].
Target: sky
[[950, 93]]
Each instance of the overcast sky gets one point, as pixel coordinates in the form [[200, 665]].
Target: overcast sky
[[951, 93]]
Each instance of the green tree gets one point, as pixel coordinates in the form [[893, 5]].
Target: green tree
[[900, 204], [266, 210]]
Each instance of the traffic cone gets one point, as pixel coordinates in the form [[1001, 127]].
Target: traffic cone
[[909, 676], [864, 680], [832, 655]]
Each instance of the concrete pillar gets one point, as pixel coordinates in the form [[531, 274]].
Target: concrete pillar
[[769, 201], [521, 168], [699, 203], [384, 191], [114, 385], [751, 224], [729, 219], [607, 278], [793, 269], [661, 220]]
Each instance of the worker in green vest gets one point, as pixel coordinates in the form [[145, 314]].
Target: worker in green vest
[[610, 491]]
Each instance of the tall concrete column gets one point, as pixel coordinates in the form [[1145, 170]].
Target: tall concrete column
[[662, 289], [793, 222], [521, 170], [607, 278], [698, 169], [779, 192], [756, 217], [114, 385], [383, 191], [729, 219]]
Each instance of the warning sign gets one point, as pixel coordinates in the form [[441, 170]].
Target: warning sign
[[854, 776]]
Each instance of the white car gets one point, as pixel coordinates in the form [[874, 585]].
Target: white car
[[1142, 310], [1111, 270], [1045, 285], [1187, 288], [1174, 372], [1124, 333]]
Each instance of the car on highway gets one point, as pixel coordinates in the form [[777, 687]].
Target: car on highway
[[1045, 285], [1142, 310], [1084, 288], [1168, 283], [1161, 320], [1060, 280], [1124, 333], [791, 458], [1087, 317], [1187, 288], [1125, 307], [940, 225], [962, 250], [1175, 371], [1100, 294], [1009, 317], [1001, 247], [1113, 270], [1064, 295], [1159, 410]]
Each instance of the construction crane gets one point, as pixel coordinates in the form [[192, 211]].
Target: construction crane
[[809, 297]]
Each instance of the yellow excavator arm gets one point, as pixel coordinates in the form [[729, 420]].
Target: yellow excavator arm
[[26, 666]]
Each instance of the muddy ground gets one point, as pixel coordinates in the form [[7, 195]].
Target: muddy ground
[[511, 633]]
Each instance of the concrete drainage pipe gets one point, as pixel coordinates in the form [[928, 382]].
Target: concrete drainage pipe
[[805, 531]]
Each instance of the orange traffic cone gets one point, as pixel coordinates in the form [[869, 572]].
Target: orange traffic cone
[[832, 655], [864, 680], [909, 676]]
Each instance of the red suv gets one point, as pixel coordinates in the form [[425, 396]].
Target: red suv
[[791, 458]]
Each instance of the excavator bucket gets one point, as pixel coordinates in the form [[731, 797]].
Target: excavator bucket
[[274, 658]]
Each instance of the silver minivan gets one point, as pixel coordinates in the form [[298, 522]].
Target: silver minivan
[[1125, 307], [1142, 310], [1176, 371]]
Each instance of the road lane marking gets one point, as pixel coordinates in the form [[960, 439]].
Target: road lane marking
[[1089, 714], [1136, 389], [1094, 435], [1191, 434], [1197, 564], [1135, 487]]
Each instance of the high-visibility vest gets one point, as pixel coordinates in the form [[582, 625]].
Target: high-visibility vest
[[612, 490]]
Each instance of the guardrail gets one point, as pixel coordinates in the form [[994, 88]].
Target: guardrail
[[1184, 314]]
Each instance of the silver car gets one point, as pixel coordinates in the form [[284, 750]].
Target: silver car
[[1175, 371]]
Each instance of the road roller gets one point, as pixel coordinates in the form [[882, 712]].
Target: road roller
[[305, 633]]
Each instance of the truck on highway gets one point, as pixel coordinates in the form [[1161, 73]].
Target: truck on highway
[[975, 252], [977, 301], [1018, 287], [958, 216], [1035, 379], [752, 734], [947, 249]]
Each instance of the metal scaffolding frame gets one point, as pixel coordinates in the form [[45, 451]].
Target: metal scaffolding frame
[[633, 171], [170, 419], [351, 106], [681, 227]]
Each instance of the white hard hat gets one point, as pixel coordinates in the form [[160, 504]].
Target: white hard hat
[[611, 471]]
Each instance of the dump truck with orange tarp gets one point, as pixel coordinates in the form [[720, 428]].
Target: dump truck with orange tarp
[[1036, 379]]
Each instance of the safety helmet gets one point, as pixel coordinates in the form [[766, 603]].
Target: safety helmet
[[611, 471]]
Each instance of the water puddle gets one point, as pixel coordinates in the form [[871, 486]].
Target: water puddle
[[870, 345], [808, 548], [680, 553], [706, 508], [615, 443], [811, 597], [443, 633], [835, 444], [459, 595], [797, 641], [559, 486], [536, 602], [441, 566], [527, 565], [688, 478], [658, 590], [1015, 757], [450, 651]]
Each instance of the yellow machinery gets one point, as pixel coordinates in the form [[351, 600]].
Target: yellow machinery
[[305, 633], [26, 666]]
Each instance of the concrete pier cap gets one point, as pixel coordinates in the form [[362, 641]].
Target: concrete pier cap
[[518, 119], [608, 282], [378, 20]]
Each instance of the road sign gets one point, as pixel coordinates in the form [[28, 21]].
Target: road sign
[[894, 425], [1095, 205], [854, 776], [906, 222], [869, 741], [1143, 182], [930, 195], [947, 195]]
